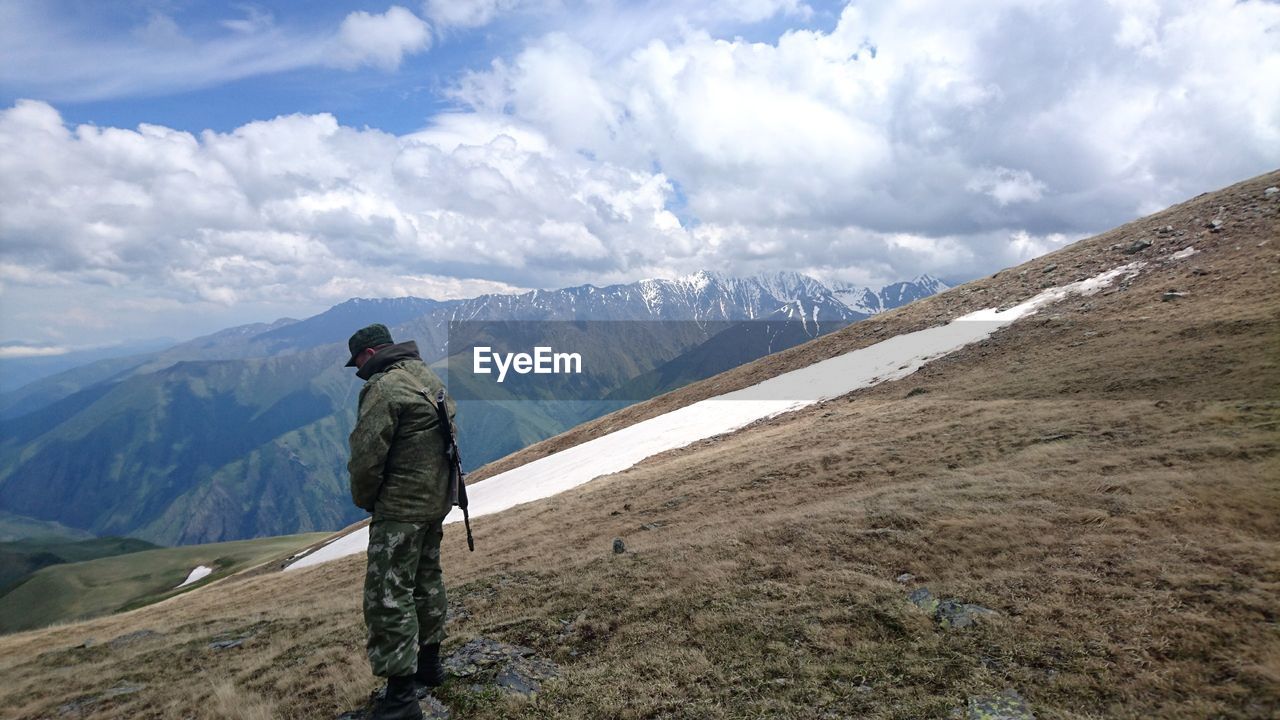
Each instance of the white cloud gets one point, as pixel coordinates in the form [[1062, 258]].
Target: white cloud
[[26, 351], [1006, 186], [625, 16], [930, 117], [747, 11], [161, 30], [428, 286], [466, 13], [255, 19], [381, 40], [300, 211], [47, 56]]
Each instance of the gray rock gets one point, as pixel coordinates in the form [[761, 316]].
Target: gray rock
[[1008, 705], [923, 599], [619, 546], [950, 613], [955, 615], [482, 654], [524, 676], [456, 614], [513, 669], [1271, 191], [125, 689], [1055, 437], [75, 707], [1199, 271], [569, 627], [1050, 268], [227, 644], [1137, 246], [905, 578], [1172, 295], [433, 708]]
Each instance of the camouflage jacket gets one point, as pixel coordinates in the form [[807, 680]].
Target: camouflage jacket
[[397, 466]]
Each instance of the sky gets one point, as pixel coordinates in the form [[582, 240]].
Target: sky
[[170, 167]]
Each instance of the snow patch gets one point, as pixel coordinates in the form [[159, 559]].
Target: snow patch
[[884, 361], [1184, 253], [1082, 287], [355, 542], [199, 573]]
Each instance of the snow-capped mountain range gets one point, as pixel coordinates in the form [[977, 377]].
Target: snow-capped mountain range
[[704, 295]]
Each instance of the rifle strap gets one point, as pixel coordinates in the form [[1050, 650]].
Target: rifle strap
[[457, 481]]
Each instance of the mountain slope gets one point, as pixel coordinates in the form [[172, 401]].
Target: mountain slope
[[21, 558], [1101, 474], [118, 460], [230, 344]]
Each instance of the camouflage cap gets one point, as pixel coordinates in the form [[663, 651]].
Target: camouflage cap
[[367, 337]]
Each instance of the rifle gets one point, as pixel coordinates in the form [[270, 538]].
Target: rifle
[[457, 480]]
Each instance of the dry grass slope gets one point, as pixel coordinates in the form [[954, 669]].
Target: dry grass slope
[[1104, 474]]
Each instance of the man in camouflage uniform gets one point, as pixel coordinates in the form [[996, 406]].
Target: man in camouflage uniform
[[399, 473]]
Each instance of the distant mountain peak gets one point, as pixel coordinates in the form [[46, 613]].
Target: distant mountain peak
[[702, 279], [929, 281]]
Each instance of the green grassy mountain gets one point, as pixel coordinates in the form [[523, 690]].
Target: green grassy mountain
[[232, 448], [20, 558]]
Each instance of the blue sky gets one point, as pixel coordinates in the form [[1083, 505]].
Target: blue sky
[[177, 164], [399, 101]]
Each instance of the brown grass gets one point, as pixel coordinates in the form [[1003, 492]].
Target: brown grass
[[1104, 474]]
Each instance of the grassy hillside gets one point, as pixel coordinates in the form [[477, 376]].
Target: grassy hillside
[[20, 558], [18, 527], [95, 587], [1101, 474]]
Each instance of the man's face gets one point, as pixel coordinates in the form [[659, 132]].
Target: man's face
[[364, 356]]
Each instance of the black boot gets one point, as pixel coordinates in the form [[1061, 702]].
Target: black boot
[[430, 674], [400, 701]]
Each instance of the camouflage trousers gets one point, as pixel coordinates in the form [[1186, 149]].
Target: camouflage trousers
[[404, 602]]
